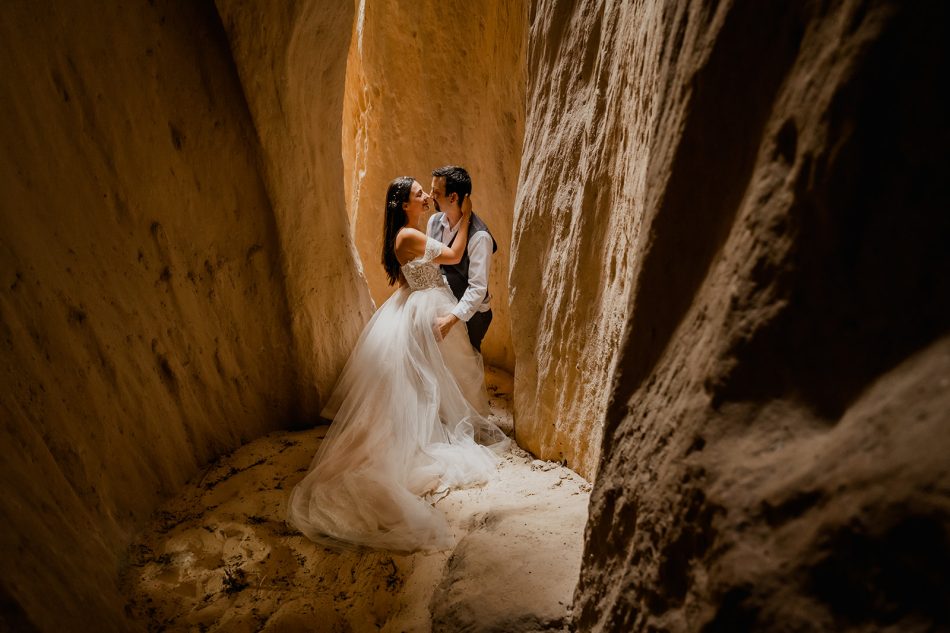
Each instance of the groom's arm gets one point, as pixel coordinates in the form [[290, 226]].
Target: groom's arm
[[479, 261]]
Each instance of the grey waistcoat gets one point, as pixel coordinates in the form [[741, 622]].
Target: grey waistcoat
[[457, 274]]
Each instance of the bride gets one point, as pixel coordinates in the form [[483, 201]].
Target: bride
[[409, 410]]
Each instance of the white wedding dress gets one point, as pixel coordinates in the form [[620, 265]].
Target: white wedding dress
[[409, 419]]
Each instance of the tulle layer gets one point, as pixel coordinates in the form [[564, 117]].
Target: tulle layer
[[409, 418]]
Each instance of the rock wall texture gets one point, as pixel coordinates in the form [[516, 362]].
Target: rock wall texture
[[754, 191], [430, 84], [292, 59], [156, 310], [578, 215], [728, 277]]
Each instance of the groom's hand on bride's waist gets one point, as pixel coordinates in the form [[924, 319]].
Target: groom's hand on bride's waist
[[445, 323]]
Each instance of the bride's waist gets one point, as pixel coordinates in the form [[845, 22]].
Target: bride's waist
[[435, 284], [429, 288]]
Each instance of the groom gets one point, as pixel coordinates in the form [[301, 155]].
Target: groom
[[469, 278]]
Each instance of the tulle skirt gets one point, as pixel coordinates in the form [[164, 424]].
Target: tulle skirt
[[409, 419]]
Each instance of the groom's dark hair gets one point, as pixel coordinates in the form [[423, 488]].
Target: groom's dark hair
[[457, 181]]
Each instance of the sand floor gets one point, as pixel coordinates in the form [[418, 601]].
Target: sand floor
[[219, 557]]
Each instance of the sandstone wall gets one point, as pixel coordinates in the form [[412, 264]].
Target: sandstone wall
[[578, 216], [144, 318], [430, 84], [291, 59], [761, 206]]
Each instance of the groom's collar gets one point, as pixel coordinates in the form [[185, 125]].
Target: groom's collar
[[445, 223]]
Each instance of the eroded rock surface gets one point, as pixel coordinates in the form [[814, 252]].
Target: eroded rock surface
[[775, 451], [292, 63], [178, 276], [432, 84], [580, 203], [729, 261], [143, 319]]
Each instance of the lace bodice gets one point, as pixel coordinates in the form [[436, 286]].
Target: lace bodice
[[421, 273]]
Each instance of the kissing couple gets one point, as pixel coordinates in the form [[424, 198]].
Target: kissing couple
[[410, 410]]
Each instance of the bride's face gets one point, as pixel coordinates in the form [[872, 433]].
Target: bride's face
[[418, 201]]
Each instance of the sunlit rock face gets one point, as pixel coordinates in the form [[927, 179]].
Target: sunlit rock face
[[291, 61], [433, 84], [590, 106], [144, 313], [775, 440]]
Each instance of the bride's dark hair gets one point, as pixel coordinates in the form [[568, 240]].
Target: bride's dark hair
[[396, 218]]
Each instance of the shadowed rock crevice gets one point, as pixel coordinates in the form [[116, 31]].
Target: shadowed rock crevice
[[884, 573], [291, 62], [782, 360], [149, 287], [696, 205], [274, 245], [858, 303]]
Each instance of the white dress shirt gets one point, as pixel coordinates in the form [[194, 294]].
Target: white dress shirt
[[476, 297]]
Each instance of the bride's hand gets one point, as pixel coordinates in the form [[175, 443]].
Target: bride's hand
[[467, 207]]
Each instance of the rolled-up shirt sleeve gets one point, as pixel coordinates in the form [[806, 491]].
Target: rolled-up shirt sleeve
[[479, 258]]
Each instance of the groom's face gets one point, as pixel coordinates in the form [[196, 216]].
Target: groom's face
[[438, 194]]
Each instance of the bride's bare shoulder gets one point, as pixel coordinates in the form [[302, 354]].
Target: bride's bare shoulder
[[410, 234], [410, 243]]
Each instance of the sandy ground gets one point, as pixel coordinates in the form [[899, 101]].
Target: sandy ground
[[219, 556]]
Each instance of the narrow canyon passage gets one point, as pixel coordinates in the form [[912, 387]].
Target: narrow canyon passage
[[722, 295], [220, 556]]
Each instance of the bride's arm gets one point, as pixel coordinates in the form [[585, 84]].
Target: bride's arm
[[453, 254]]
